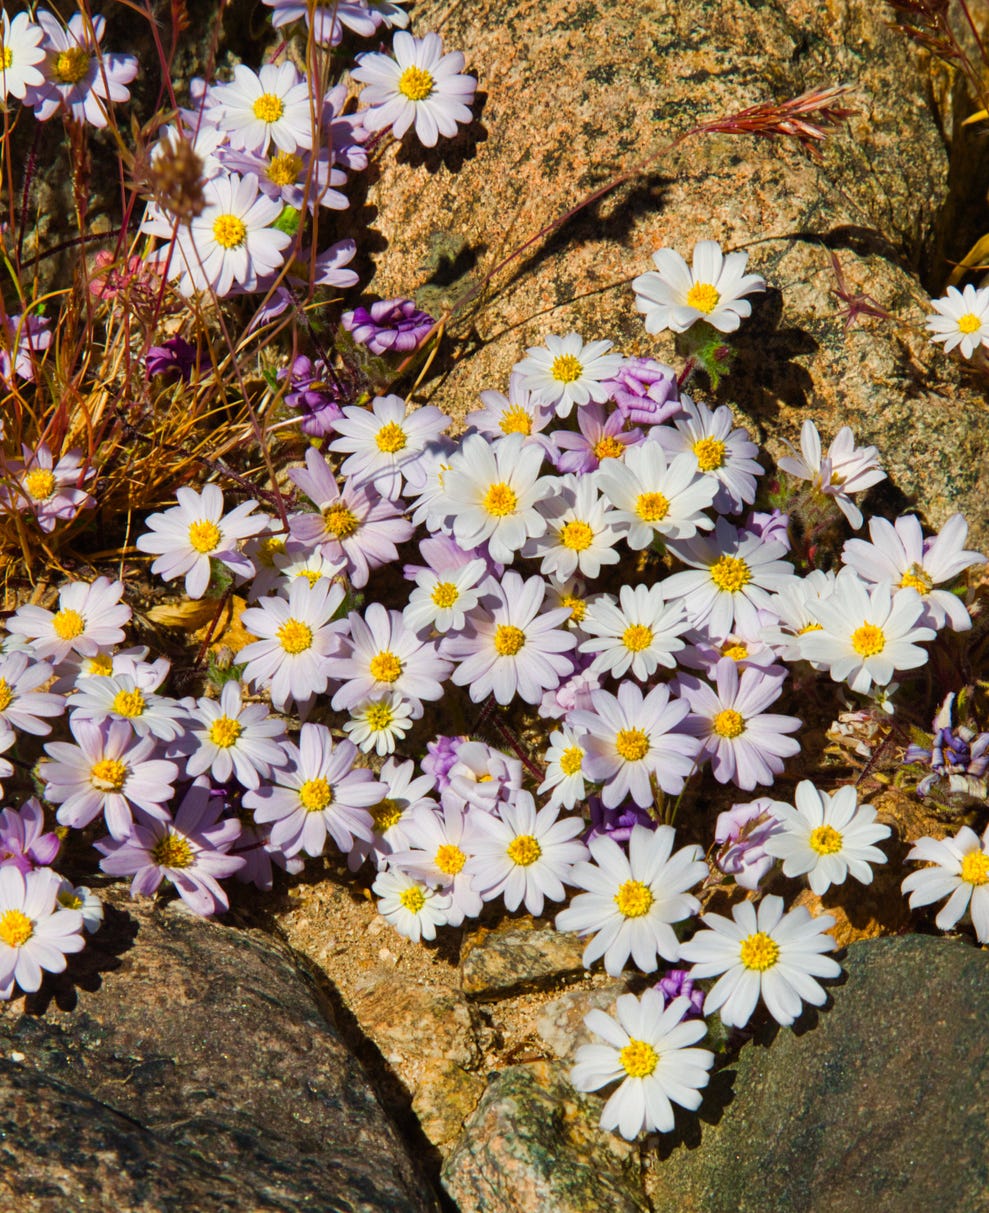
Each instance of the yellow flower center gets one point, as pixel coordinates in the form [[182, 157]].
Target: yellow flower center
[[577, 536], [385, 815], [40, 483], [172, 851], [634, 899], [6, 695], [340, 522], [710, 454], [515, 420], [6, 57], [578, 607], [444, 594], [129, 703], [609, 447], [68, 624], [631, 744], [269, 548], [449, 859], [728, 723], [737, 651], [810, 627], [378, 717], [825, 840], [730, 574], [15, 928], [204, 536], [311, 575], [704, 297], [108, 775], [385, 666], [224, 732], [71, 66], [295, 636], [500, 500], [759, 952], [638, 1059], [652, 507], [391, 439], [508, 639], [571, 760], [917, 578], [268, 108], [315, 795], [412, 898], [415, 83], [969, 323], [284, 168], [524, 850], [975, 868], [69, 900], [229, 231], [637, 637], [566, 368], [868, 640]]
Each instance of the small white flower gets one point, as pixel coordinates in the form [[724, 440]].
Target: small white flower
[[961, 319], [827, 837], [846, 468], [382, 442], [21, 53], [567, 371], [638, 633], [653, 495], [720, 450], [648, 1051], [411, 906], [89, 618], [442, 600], [960, 873], [270, 105], [439, 848], [675, 297], [84, 900], [234, 740], [565, 777], [579, 538], [36, 933], [379, 723]]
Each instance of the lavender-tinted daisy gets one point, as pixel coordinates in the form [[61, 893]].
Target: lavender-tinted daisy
[[194, 532], [762, 953], [742, 833], [633, 740], [443, 600], [297, 636], [655, 496], [36, 933], [326, 21], [565, 774], [639, 632], [901, 555], [319, 792], [380, 722], [675, 297], [481, 776], [234, 740], [121, 697], [514, 647], [567, 371], [389, 326], [21, 54], [746, 745], [26, 337], [960, 873], [413, 908], [303, 560], [645, 391], [517, 413], [632, 900], [83, 899], [745, 649], [383, 441], [78, 76], [383, 655], [89, 618], [271, 105], [190, 852], [437, 852], [792, 605], [827, 838], [720, 451], [50, 491], [961, 319], [648, 1051], [21, 706], [597, 438], [523, 855], [731, 578], [846, 468], [24, 842], [406, 795], [108, 771], [420, 85], [579, 537]]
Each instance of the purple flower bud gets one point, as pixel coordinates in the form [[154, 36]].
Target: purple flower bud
[[390, 325], [313, 392], [174, 359], [772, 527], [743, 832], [616, 823], [645, 391], [441, 755], [23, 841], [677, 984]]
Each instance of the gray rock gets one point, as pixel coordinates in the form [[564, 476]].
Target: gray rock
[[184, 1064], [518, 956], [560, 1025], [881, 1104], [533, 1145]]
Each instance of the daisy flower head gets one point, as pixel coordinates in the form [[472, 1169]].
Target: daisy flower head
[[234, 740], [764, 954], [438, 850], [961, 319], [21, 704], [579, 537], [125, 697], [50, 491], [514, 647], [867, 632], [271, 105], [632, 900], [674, 296], [442, 599], [522, 855], [844, 470], [412, 907], [517, 413], [649, 1052], [406, 795], [379, 723], [741, 833], [598, 436], [381, 442], [420, 85], [21, 53], [565, 776], [792, 606], [24, 842], [90, 618], [36, 933], [639, 632], [194, 532], [958, 871], [78, 76], [479, 776], [568, 371], [827, 838], [656, 496], [83, 899], [721, 451]]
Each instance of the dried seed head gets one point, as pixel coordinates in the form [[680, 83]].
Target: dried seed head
[[177, 179]]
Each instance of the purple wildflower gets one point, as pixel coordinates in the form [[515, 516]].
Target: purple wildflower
[[645, 392], [21, 338], [23, 840], [599, 438], [773, 527], [958, 754], [313, 391], [617, 823], [677, 983], [742, 833], [174, 359], [390, 325], [441, 756]]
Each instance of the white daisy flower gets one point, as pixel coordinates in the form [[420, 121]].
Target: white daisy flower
[[961, 319], [21, 705], [867, 632], [379, 723], [845, 469], [439, 847], [675, 297], [20, 54], [186, 537], [272, 105], [420, 85], [792, 605], [120, 697], [298, 559], [381, 442], [631, 901], [648, 1051], [443, 600], [763, 953], [720, 450], [579, 537], [565, 777], [567, 371], [653, 495], [406, 795], [413, 908], [234, 740], [89, 618], [638, 633], [827, 837], [960, 873], [517, 413], [523, 855], [36, 933], [83, 899]]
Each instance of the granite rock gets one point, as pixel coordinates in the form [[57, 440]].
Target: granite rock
[[518, 955]]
